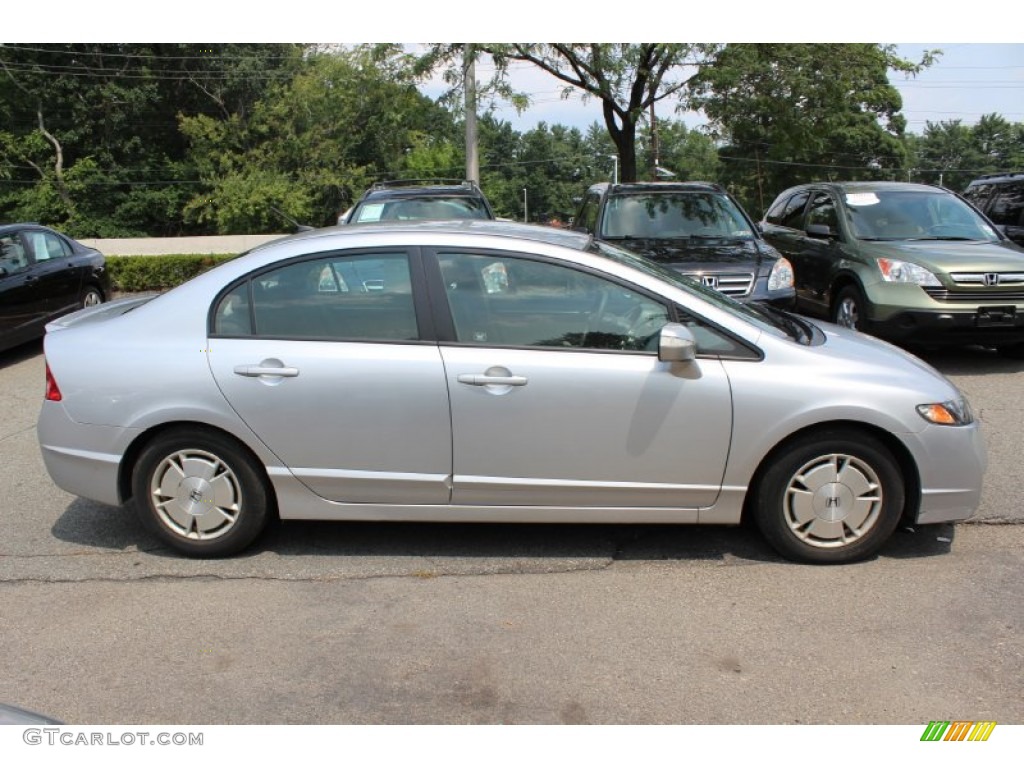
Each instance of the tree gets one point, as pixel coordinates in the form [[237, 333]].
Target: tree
[[627, 78], [312, 145], [90, 137], [789, 113]]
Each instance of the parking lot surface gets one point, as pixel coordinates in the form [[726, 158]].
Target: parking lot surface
[[404, 623]]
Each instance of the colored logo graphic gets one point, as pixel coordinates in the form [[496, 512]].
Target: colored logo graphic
[[958, 730]]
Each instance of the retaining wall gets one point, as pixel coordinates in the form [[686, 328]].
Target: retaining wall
[[162, 246]]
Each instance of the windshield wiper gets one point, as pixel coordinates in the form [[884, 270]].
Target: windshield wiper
[[944, 237], [796, 327]]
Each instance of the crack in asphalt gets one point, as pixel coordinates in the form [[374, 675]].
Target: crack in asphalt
[[19, 432]]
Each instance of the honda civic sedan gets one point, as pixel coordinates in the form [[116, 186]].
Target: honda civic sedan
[[487, 371]]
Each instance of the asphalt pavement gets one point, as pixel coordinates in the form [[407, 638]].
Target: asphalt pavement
[[414, 623]]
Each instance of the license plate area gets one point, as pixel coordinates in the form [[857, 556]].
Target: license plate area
[[993, 317]]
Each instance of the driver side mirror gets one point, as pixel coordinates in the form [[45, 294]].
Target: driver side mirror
[[676, 344], [820, 231]]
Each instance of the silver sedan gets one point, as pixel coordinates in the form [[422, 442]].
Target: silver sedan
[[484, 371]]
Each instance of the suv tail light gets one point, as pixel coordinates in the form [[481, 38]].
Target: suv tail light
[[52, 390]]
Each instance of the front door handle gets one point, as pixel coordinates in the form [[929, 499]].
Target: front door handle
[[265, 370], [483, 380]]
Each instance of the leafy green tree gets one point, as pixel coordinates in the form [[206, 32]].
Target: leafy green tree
[[789, 113], [91, 142], [312, 145]]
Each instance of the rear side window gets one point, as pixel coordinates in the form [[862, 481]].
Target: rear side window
[[1008, 207], [364, 297]]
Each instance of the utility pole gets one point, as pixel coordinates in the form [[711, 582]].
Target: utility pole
[[526, 213], [469, 87], [654, 145]]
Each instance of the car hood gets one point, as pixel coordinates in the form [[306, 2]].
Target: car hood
[[950, 256], [708, 255], [864, 358]]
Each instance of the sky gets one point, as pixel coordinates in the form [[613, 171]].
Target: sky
[[967, 81], [981, 72]]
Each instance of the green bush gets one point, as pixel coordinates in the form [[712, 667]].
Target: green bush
[[131, 274]]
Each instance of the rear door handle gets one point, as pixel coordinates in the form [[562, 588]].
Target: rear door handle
[[265, 370], [482, 380]]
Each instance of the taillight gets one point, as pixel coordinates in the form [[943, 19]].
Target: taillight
[[52, 390]]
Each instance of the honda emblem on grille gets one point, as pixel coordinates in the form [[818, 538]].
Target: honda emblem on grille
[[991, 278], [711, 281]]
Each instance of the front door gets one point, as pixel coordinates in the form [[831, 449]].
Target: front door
[[558, 397]]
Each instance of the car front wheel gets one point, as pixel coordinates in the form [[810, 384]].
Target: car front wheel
[[200, 493], [830, 497], [848, 310]]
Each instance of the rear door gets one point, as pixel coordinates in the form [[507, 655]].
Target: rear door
[[328, 360], [58, 277]]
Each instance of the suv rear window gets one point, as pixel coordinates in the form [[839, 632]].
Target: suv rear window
[[420, 208]]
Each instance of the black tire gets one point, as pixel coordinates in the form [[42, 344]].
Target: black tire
[[200, 493], [829, 497], [91, 296], [1011, 351], [848, 309]]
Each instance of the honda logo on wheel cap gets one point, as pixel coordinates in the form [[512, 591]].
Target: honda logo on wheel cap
[[991, 278]]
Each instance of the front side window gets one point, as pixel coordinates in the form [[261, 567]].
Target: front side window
[[588, 214], [12, 254], [519, 302], [364, 297], [1008, 207], [823, 212]]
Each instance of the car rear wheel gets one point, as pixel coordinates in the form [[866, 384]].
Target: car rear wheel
[[91, 297], [830, 497], [848, 310], [1012, 351], [200, 493]]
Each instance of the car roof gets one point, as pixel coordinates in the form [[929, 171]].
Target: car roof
[[425, 190], [998, 178], [658, 186], [871, 186], [476, 227]]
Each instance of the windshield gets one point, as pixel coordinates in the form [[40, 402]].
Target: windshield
[[914, 215], [421, 208], [773, 322], [674, 215]]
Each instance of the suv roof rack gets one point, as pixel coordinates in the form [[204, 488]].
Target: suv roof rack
[[424, 183], [1004, 175]]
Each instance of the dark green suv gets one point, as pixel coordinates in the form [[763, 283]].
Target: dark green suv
[[910, 262]]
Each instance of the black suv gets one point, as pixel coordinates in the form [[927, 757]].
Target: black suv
[[1001, 198], [694, 227], [418, 200]]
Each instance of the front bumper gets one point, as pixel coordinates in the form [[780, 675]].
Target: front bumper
[[951, 463]]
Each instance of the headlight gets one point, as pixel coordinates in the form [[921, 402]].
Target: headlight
[[781, 275], [953, 413], [896, 271]]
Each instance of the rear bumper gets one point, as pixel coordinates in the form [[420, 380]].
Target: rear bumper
[[82, 459]]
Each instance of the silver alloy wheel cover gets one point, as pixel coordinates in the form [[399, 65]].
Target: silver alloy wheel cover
[[195, 495], [92, 298], [833, 500], [847, 314]]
